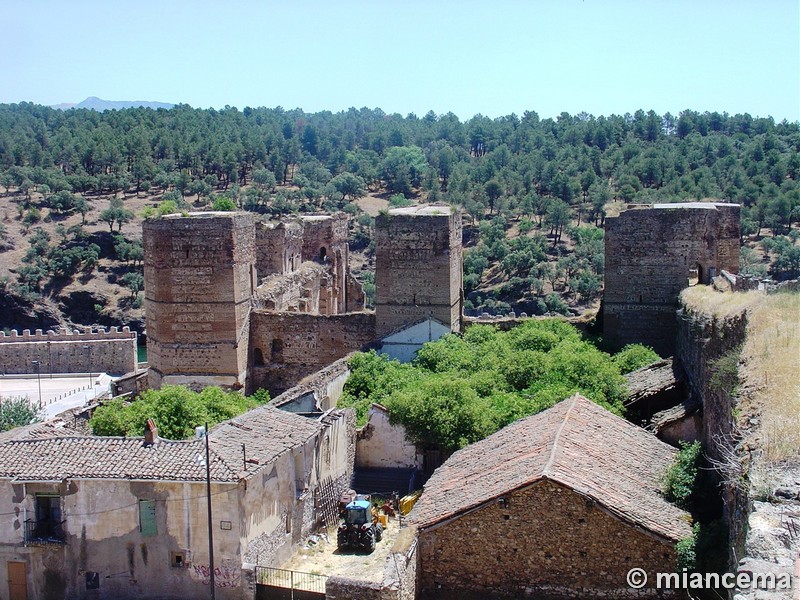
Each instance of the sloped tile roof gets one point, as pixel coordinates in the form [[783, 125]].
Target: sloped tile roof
[[575, 443], [648, 381], [266, 432], [48, 429]]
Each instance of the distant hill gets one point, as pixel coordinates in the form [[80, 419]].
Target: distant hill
[[98, 104]]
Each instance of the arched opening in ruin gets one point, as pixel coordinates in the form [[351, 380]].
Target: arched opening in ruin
[[695, 274], [258, 358], [277, 350], [322, 253]]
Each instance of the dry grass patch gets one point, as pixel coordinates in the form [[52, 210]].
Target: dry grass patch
[[769, 366]]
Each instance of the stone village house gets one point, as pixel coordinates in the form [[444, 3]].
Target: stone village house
[[557, 505], [111, 517]]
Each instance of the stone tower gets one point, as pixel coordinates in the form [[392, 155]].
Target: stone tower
[[652, 253], [418, 267], [199, 273]]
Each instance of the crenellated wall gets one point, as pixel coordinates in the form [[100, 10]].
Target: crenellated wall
[[109, 351]]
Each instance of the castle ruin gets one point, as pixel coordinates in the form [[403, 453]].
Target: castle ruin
[[418, 272], [652, 253], [244, 304]]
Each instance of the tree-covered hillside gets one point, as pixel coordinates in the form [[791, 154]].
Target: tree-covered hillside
[[533, 189]]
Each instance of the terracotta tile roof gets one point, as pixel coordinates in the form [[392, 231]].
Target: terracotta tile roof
[[48, 429], [577, 444], [266, 432], [661, 376]]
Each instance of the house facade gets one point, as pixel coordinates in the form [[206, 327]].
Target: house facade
[[92, 517]]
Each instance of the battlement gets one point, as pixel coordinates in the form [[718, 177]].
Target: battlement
[[68, 335], [99, 350]]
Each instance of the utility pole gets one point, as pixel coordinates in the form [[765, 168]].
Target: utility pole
[[89, 367], [38, 379], [210, 522]]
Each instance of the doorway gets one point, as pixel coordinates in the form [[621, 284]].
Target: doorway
[[17, 581]]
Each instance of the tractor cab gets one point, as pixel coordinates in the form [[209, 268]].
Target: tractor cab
[[357, 512]]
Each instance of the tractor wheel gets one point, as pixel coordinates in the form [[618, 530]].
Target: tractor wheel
[[369, 541], [378, 532]]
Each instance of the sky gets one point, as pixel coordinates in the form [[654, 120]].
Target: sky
[[467, 57]]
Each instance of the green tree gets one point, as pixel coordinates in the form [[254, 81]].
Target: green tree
[[175, 409], [634, 356], [116, 213], [443, 411], [348, 185], [558, 216], [224, 204], [402, 168], [680, 480], [83, 207], [17, 412], [134, 282], [493, 191], [62, 202]]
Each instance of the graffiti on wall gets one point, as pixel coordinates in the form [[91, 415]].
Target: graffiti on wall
[[224, 576]]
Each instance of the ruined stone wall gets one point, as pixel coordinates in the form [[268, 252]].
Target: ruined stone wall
[[111, 351], [380, 444], [298, 291], [651, 254], [325, 241], [278, 247], [548, 541], [199, 276], [289, 346], [704, 340], [355, 298], [418, 256], [317, 393]]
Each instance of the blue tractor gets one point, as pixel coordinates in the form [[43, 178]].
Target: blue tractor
[[360, 529]]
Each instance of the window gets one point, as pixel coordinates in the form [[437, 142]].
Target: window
[[48, 526], [277, 350], [147, 518], [695, 275], [178, 559], [299, 471], [258, 358]]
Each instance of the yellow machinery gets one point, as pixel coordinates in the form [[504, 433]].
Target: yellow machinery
[[408, 502]]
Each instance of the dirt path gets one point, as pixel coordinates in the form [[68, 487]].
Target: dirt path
[[372, 205], [323, 558]]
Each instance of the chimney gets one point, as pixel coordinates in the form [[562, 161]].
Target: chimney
[[150, 433]]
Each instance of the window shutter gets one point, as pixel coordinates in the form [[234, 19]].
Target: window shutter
[[147, 518]]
